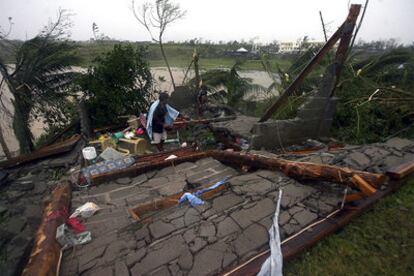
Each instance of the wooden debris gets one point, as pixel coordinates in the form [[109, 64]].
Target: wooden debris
[[344, 32], [401, 171], [298, 170], [140, 211], [365, 188], [46, 251], [48, 151]]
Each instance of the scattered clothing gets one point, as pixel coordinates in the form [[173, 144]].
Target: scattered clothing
[[194, 199]]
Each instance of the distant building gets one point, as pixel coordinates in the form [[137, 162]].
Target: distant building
[[292, 47], [288, 47]]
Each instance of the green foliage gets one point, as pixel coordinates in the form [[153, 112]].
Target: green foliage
[[380, 242], [376, 97], [236, 86], [43, 79], [119, 84]]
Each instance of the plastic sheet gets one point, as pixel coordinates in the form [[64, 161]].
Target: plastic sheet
[[86, 210], [274, 263]]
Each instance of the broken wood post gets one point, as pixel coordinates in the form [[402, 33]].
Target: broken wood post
[[46, 252], [342, 51], [352, 16], [85, 122], [299, 170], [196, 70]]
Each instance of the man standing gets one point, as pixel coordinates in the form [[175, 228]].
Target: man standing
[[160, 117]]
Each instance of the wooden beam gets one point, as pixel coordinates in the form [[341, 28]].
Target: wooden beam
[[299, 170], [45, 256], [48, 151], [350, 21]]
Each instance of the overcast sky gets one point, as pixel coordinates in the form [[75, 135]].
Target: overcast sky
[[283, 20]]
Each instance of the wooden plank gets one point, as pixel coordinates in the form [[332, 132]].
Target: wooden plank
[[140, 211], [401, 171], [365, 188], [45, 256], [44, 152]]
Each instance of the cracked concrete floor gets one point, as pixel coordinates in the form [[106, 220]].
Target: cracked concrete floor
[[183, 240]]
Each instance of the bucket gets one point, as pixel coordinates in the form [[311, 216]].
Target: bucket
[[89, 153]]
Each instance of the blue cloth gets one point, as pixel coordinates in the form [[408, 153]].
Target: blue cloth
[[194, 199], [170, 117]]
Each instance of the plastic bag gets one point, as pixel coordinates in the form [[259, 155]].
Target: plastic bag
[[274, 263], [86, 210]]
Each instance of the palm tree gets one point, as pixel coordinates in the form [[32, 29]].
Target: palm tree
[[40, 78], [236, 86]]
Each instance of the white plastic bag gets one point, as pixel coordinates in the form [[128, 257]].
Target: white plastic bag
[[86, 210], [273, 264]]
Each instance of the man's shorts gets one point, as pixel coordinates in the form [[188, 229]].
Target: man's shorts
[[158, 137]]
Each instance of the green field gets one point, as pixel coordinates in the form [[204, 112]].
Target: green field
[[179, 55], [380, 242]]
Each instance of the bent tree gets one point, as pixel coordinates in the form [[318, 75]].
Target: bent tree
[[155, 18], [39, 78]]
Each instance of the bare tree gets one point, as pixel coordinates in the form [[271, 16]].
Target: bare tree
[[155, 19]]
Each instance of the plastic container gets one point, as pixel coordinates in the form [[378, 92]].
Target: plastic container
[[89, 153]]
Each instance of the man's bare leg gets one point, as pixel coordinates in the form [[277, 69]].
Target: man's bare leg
[[160, 146]]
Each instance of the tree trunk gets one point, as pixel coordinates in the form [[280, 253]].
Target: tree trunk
[[21, 125], [166, 63], [4, 145]]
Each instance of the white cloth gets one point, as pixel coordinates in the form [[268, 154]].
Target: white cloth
[[170, 117]]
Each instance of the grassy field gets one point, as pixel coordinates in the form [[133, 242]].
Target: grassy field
[[380, 242], [211, 56], [213, 63]]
